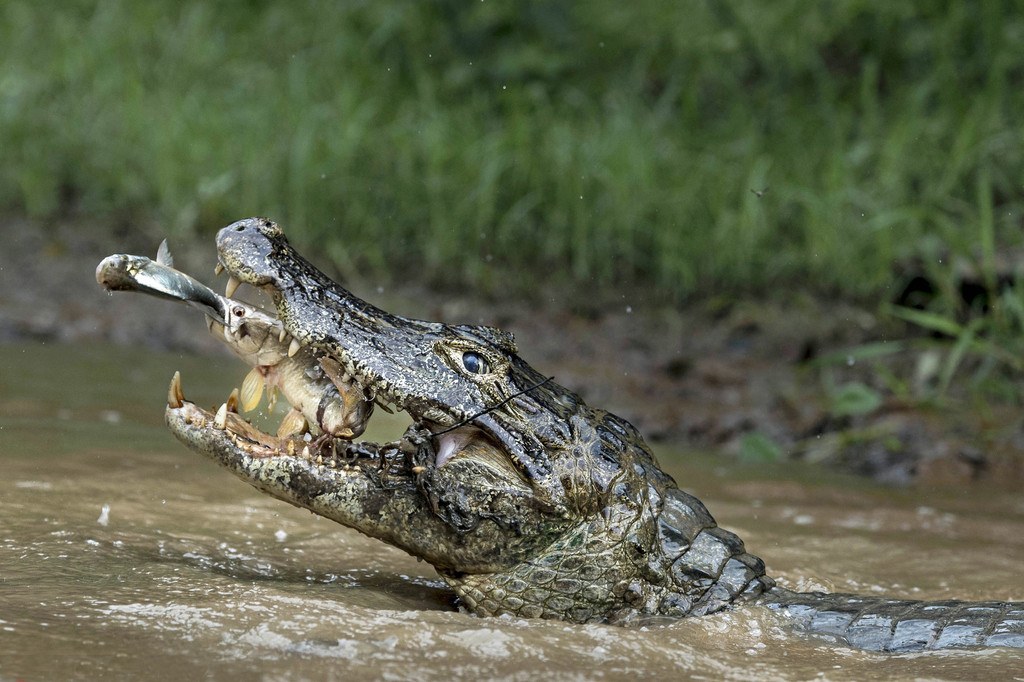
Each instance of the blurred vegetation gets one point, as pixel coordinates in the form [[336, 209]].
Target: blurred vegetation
[[687, 147]]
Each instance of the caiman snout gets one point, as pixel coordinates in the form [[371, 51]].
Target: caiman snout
[[242, 248]]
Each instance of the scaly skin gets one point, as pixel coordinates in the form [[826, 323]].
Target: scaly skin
[[526, 500]]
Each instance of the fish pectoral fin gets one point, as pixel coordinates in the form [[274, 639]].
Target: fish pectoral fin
[[252, 390], [293, 423]]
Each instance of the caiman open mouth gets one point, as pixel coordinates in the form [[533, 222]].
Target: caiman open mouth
[[316, 384], [291, 467], [258, 443]]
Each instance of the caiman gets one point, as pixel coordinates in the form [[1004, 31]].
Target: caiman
[[526, 500]]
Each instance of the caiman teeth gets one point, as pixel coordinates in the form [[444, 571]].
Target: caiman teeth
[[175, 396], [231, 287], [220, 420], [218, 268], [283, 334], [294, 347]]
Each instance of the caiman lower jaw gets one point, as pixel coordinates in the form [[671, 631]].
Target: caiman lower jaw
[[375, 489]]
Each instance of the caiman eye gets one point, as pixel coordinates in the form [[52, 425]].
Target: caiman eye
[[474, 363]]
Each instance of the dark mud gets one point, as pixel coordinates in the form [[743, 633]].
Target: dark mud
[[740, 377]]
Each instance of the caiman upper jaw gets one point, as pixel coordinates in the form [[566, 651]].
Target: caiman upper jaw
[[239, 253], [255, 251]]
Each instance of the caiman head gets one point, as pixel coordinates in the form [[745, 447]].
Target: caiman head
[[525, 500]]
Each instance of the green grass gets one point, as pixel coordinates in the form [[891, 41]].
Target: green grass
[[611, 143]]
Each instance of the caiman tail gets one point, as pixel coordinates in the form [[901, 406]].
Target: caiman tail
[[896, 625]]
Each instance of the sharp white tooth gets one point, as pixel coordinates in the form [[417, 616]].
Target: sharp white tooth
[[218, 268], [252, 390], [231, 287], [294, 347], [320, 459], [175, 396], [282, 335], [306, 453], [232, 402], [220, 421]]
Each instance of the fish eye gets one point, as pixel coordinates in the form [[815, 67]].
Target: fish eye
[[474, 363], [238, 311]]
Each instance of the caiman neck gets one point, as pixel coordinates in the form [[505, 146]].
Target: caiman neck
[[625, 565]]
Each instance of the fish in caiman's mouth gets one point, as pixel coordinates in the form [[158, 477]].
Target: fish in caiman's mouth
[[329, 409]]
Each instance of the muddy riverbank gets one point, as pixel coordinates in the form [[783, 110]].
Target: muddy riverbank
[[743, 378]]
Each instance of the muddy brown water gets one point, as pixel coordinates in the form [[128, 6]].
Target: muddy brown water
[[124, 555]]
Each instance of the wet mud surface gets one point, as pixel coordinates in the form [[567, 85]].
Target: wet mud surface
[[742, 378]]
